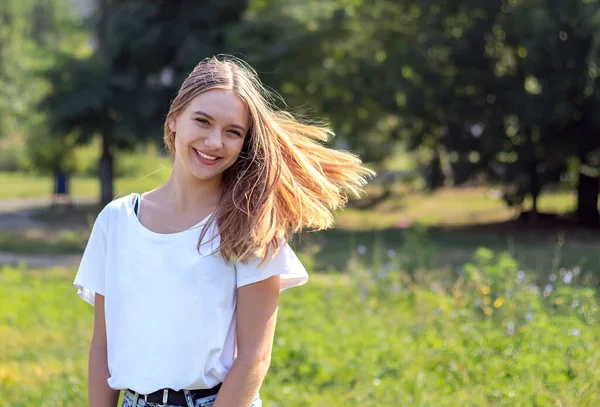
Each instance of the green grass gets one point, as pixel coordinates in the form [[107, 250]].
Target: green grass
[[44, 241], [44, 333], [18, 185], [446, 207], [365, 338]]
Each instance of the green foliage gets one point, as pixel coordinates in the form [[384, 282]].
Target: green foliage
[[531, 116], [466, 81], [52, 155], [30, 34], [318, 55], [13, 153], [466, 86], [144, 52]]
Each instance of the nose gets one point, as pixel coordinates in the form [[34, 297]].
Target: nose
[[213, 140]]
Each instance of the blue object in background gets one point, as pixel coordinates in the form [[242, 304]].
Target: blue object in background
[[62, 185]]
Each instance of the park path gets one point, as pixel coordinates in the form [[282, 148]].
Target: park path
[[15, 214], [27, 204], [37, 261]]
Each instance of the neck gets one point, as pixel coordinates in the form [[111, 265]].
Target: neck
[[185, 193]]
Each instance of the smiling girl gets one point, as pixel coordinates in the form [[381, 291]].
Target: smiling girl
[[186, 278]]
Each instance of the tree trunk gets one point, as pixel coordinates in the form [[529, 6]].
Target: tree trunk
[[588, 189], [435, 175], [106, 170], [534, 219], [535, 187]]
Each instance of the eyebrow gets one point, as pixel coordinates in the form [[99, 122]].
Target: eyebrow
[[212, 118]]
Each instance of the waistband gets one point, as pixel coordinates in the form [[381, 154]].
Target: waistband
[[174, 397]]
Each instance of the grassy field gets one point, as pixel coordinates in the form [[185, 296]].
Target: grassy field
[[445, 207], [359, 339], [397, 312], [20, 185]]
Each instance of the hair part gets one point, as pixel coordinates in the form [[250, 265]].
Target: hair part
[[285, 179]]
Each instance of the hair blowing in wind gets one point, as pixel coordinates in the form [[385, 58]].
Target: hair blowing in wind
[[285, 180]]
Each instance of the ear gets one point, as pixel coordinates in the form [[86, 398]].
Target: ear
[[172, 123]]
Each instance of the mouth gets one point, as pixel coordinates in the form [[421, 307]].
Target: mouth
[[206, 158]]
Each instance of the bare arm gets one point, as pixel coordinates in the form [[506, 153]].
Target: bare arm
[[256, 316], [99, 392]]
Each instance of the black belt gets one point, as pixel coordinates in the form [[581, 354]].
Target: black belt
[[177, 398]]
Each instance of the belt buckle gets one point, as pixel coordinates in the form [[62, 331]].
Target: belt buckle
[[165, 398]]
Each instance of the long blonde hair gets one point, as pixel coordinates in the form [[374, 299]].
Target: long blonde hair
[[285, 179]]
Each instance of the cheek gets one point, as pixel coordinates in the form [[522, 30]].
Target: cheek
[[239, 145], [179, 146], [185, 137], [182, 134], [235, 151], [182, 150]]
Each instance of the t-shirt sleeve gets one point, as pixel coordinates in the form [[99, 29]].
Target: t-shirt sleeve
[[89, 279], [285, 263]]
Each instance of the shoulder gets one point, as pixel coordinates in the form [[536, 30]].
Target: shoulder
[[120, 203], [283, 262], [278, 256], [115, 209]]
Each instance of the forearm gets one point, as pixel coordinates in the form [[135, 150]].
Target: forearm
[[242, 383], [99, 392]]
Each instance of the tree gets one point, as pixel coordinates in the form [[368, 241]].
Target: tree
[[468, 79], [143, 52], [29, 32], [543, 86], [474, 83]]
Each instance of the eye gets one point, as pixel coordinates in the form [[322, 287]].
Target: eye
[[237, 133], [203, 121]]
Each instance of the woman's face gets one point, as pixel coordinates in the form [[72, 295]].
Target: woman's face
[[210, 133]]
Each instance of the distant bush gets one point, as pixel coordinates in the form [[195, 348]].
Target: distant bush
[[141, 162], [13, 154]]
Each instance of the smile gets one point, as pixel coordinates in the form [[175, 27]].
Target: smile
[[206, 156], [206, 159]]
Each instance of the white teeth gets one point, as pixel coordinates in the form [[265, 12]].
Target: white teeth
[[208, 157]]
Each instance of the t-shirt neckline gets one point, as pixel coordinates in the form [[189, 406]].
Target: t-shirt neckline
[[143, 229]]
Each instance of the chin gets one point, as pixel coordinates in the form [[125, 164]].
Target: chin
[[205, 174]]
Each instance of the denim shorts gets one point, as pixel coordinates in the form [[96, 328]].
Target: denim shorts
[[129, 398]]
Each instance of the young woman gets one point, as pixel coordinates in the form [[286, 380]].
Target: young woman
[[186, 278]]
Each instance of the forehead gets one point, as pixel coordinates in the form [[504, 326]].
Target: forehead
[[222, 105]]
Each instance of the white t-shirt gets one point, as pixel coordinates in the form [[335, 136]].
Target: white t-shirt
[[170, 311]]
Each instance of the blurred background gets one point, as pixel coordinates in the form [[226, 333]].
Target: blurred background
[[467, 276]]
